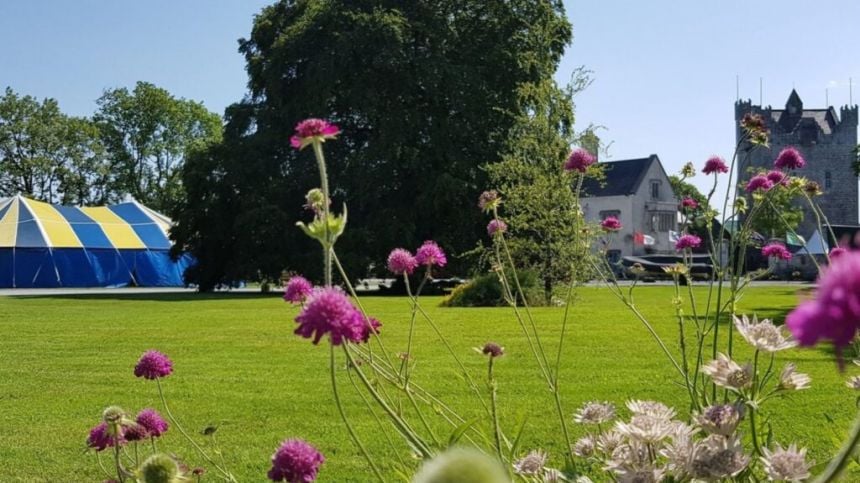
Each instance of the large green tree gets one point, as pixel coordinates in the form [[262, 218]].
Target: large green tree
[[147, 133], [425, 93]]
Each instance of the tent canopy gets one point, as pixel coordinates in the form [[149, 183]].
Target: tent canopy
[[45, 245]]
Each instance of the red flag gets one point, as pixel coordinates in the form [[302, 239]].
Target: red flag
[[638, 238]]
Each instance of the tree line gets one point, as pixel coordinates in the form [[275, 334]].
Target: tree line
[[134, 145]]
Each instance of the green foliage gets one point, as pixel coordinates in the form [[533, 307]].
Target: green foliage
[[778, 211], [548, 231], [425, 92], [486, 291], [696, 218], [147, 134]]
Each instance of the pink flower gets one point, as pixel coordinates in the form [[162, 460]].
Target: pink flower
[[777, 177], [579, 160], [689, 202], [496, 226], [295, 461], [789, 158], [759, 182], [152, 365], [610, 223], [715, 164], [400, 261], [493, 350], [488, 200], [430, 254], [776, 250], [328, 311], [688, 241], [100, 438], [834, 314], [297, 290], [311, 130], [837, 252], [152, 422]]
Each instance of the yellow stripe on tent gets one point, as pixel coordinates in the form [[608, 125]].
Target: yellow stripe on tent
[[120, 233], [9, 226], [58, 231]]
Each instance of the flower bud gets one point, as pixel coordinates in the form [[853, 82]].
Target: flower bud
[[160, 468]]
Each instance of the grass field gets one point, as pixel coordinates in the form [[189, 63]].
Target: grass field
[[238, 366]]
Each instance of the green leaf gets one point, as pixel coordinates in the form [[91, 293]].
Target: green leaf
[[460, 430]]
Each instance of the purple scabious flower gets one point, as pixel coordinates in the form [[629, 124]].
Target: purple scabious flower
[[837, 252], [579, 160], [368, 325], [777, 177], [493, 350], [489, 200], [430, 254], [688, 241], [100, 438], [152, 365], [610, 223], [689, 202], [496, 226], [295, 461], [759, 182], [834, 313], [715, 164], [328, 311], [313, 129], [400, 261], [297, 290], [776, 250], [789, 158], [135, 432], [152, 422]]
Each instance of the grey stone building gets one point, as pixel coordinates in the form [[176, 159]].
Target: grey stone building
[[638, 193], [825, 139]]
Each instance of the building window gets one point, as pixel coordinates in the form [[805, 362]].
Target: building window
[[655, 189], [663, 222], [606, 214], [828, 180]]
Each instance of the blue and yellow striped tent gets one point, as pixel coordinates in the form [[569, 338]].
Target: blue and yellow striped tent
[[45, 245]]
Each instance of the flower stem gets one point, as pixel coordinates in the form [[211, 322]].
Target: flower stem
[[119, 472], [497, 431], [318, 153], [349, 427]]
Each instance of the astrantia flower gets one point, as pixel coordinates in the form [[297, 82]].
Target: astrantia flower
[[789, 158], [715, 164], [651, 408], [489, 200], [152, 365], [776, 250], [493, 350], [595, 412], [790, 380], [311, 130], [853, 383], [609, 440], [763, 335], [717, 457], [759, 182], [645, 428], [777, 177], [579, 160], [786, 464], [496, 226], [400, 261], [719, 419], [154, 424], [295, 461], [834, 314], [430, 254], [610, 223], [584, 446], [531, 464], [690, 203], [328, 311], [688, 241], [101, 438], [297, 290], [727, 373]]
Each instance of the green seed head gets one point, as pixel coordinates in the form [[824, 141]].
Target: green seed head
[[160, 468], [462, 465]]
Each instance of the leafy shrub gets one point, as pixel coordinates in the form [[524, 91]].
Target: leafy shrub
[[486, 291]]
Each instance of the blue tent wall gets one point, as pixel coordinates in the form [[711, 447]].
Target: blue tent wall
[[76, 267]]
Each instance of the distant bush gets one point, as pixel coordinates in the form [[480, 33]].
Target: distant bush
[[486, 291]]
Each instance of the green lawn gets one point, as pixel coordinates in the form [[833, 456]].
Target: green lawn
[[239, 366]]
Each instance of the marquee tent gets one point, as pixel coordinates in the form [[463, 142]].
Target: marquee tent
[[45, 245]]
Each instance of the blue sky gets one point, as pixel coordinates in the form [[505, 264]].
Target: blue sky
[[664, 71]]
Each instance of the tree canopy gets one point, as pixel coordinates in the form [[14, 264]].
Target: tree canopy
[[425, 93]]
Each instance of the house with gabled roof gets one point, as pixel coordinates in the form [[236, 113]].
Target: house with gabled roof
[[639, 194]]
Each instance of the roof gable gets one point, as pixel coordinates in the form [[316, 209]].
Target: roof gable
[[621, 177]]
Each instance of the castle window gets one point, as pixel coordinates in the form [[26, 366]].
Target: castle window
[[655, 189], [663, 222], [809, 134], [828, 180]]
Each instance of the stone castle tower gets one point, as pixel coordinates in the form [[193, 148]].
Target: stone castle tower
[[825, 140]]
